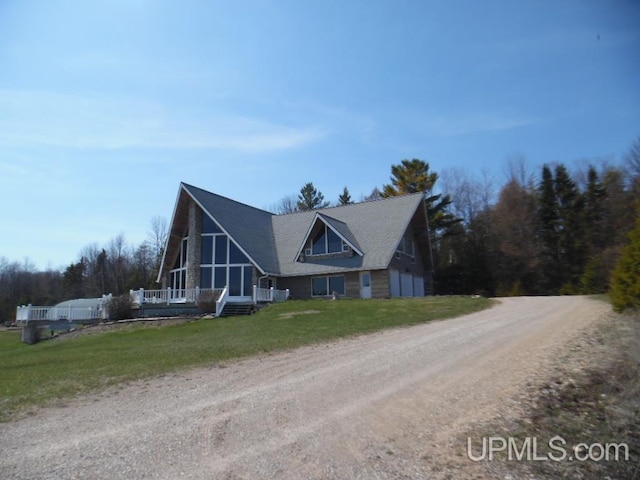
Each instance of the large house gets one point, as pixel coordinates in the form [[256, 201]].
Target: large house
[[373, 249]]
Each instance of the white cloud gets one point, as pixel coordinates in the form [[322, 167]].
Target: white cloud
[[462, 124], [91, 121]]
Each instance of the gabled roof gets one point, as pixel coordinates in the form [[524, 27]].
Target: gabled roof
[[250, 227], [272, 242], [340, 228], [377, 227]]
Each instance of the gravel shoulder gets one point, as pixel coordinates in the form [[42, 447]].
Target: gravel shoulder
[[386, 405]]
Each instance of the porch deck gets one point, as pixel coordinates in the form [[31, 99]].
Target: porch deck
[[191, 297]]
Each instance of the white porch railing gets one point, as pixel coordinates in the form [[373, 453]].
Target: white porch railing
[[26, 313], [269, 294], [221, 301], [169, 295]]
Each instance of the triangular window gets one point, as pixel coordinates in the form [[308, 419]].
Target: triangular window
[[324, 239]]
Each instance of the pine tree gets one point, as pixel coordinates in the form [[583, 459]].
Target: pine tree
[[345, 197], [412, 176], [310, 198], [593, 212], [625, 282], [549, 231], [571, 233]]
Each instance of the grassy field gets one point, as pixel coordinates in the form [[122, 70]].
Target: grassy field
[[57, 369]]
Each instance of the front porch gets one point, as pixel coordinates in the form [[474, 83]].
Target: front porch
[[183, 299]]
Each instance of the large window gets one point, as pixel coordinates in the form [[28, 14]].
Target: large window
[[324, 286], [223, 264], [407, 246], [178, 274], [325, 241]]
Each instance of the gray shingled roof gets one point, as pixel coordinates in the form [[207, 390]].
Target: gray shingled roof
[[342, 228], [273, 241], [377, 226], [250, 227]]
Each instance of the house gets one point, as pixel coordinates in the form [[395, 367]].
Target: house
[[374, 249]]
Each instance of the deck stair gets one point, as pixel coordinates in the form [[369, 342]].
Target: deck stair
[[237, 309]]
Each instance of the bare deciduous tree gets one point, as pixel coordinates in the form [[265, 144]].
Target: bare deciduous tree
[[158, 234], [287, 204], [470, 195]]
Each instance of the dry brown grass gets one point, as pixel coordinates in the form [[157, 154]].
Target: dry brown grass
[[600, 405]]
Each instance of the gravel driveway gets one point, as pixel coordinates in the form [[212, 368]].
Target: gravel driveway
[[386, 405]]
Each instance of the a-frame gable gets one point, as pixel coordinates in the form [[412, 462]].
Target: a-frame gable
[[243, 224], [341, 229]]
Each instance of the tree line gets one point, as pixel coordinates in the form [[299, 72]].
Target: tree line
[[544, 232], [115, 268], [550, 231]]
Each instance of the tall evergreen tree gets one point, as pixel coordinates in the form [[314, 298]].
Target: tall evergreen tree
[[412, 176], [514, 223], [310, 198], [625, 287], [345, 197], [593, 212], [73, 280], [548, 217], [571, 233]]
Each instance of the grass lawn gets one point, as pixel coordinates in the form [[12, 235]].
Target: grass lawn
[[54, 369]]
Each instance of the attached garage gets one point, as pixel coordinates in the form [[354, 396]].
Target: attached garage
[[406, 284], [395, 283]]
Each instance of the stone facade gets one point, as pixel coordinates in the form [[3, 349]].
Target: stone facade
[[194, 245]]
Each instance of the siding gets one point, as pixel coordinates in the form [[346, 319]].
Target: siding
[[380, 284], [300, 287]]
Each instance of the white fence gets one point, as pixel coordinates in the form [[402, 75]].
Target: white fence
[[269, 294], [26, 313], [171, 295], [191, 295]]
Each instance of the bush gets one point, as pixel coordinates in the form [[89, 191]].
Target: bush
[[119, 307], [625, 282], [207, 301]]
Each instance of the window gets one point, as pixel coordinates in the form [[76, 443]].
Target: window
[[326, 241], [235, 255], [221, 250], [206, 250], [406, 246], [178, 274], [208, 225], [223, 264], [336, 284], [205, 277], [324, 286], [320, 242], [334, 242], [220, 279], [320, 287]]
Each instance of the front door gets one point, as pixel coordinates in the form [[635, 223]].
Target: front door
[[365, 284]]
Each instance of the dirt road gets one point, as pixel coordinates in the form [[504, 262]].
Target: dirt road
[[387, 405]]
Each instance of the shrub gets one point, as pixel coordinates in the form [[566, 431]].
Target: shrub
[[625, 282], [207, 301], [119, 307]]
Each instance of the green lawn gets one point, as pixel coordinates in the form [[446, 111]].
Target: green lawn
[[53, 369]]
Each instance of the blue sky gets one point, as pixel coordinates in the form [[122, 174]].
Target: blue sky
[[106, 106]]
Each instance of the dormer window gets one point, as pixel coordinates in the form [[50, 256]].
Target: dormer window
[[327, 236], [406, 246], [326, 241]]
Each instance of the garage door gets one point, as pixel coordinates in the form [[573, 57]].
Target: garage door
[[418, 286], [406, 285], [395, 283]]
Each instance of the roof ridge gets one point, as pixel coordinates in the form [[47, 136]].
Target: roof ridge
[[227, 198], [381, 199]]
